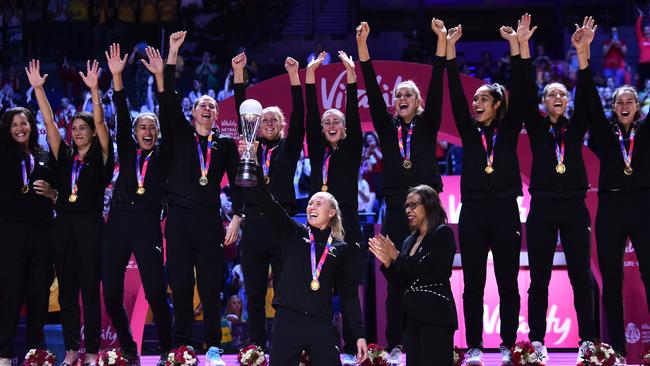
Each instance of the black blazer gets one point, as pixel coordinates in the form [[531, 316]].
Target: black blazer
[[425, 276]]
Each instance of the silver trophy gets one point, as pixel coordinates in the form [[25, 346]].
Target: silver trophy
[[251, 114]]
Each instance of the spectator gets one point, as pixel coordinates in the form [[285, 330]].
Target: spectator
[[371, 156], [227, 90], [235, 310], [614, 50], [186, 104], [206, 72], [196, 92], [318, 48], [643, 39], [488, 68], [462, 64], [13, 19]]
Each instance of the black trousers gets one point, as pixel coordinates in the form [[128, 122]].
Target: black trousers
[[294, 332], [77, 259], [621, 216], [195, 240], [136, 232], [26, 273], [484, 225], [571, 218], [396, 227], [352, 229], [259, 249], [429, 344]]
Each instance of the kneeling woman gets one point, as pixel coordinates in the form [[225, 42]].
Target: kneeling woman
[[316, 260], [423, 267]]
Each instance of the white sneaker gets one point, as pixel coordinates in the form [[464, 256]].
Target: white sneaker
[[473, 357], [349, 359], [5, 361], [395, 356], [584, 346], [213, 357], [506, 355], [540, 351]]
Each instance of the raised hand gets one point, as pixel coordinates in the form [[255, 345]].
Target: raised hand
[[363, 30], [238, 62], [347, 60], [508, 34], [438, 27], [115, 63], [91, 79], [176, 39], [454, 34], [578, 39], [524, 31], [155, 64], [33, 72], [313, 65], [588, 29], [291, 65]]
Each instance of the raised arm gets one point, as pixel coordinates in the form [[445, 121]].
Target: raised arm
[[459, 105], [296, 133], [238, 64], [588, 107], [376, 102], [532, 117], [91, 79], [170, 108], [352, 119], [116, 66], [314, 139], [433, 105], [37, 81]]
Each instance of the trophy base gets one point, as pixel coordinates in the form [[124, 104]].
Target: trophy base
[[246, 173]]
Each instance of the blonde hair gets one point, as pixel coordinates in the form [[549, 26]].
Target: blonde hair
[[338, 114], [279, 114], [336, 222], [414, 88]]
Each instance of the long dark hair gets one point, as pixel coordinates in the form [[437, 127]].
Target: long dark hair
[[5, 128], [87, 117], [498, 93], [436, 215]]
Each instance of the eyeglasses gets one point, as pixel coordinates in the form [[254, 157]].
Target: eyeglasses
[[412, 205]]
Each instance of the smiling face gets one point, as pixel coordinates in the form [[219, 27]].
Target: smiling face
[[414, 210], [146, 131], [333, 123], [82, 133], [556, 99], [20, 129], [205, 111], [484, 106], [406, 101], [271, 124], [626, 106], [320, 210]]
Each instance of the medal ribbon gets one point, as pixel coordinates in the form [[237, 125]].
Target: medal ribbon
[[406, 153], [141, 174], [316, 269], [204, 164], [266, 159], [559, 148], [326, 163], [489, 156], [77, 165], [627, 156], [23, 165]]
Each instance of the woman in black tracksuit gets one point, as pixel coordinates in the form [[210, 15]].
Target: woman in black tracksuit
[[423, 266], [623, 195], [490, 185], [558, 186], [194, 231], [134, 222], [278, 155], [408, 142], [26, 267], [82, 172], [316, 260], [335, 143]]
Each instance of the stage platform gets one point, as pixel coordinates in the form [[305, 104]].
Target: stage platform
[[489, 359]]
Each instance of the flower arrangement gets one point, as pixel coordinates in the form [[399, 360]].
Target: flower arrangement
[[645, 357], [39, 357], [598, 354], [111, 357], [376, 356], [252, 355], [459, 356], [523, 353], [182, 356]]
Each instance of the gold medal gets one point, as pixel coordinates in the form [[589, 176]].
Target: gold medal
[[24, 189], [407, 164], [628, 170], [203, 181], [314, 285], [140, 190], [489, 169], [560, 168], [267, 179], [73, 198], [324, 188]]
